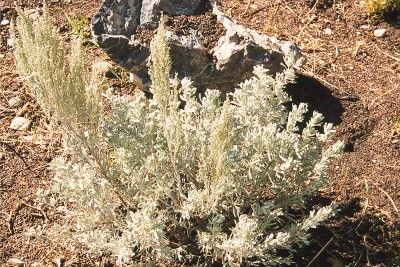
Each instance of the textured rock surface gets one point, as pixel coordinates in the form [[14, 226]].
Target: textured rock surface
[[151, 9], [231, 61]]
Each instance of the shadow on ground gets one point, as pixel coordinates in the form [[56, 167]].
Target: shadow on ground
[[318, 97], [393, 18], [352, 238]]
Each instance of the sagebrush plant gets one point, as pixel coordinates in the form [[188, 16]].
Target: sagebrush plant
[[65, 90], [382, 6], [179, 177]]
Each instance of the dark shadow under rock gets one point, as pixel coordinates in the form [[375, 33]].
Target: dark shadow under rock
[[318, 97]]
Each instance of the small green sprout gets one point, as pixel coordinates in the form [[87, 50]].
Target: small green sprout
[[80, 26]]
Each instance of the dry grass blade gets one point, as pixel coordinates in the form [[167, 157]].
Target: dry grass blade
[[389, 198]]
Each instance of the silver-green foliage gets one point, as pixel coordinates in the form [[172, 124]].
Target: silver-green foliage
[[65, 90], [212, 180]]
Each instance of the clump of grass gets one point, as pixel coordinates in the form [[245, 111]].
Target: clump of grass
[[65, 89], [376, 7], [80, 26]]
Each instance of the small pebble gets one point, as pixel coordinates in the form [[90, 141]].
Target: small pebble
[[10, 42], [4, 22], [14, 102], [379, 33], [20, 124], [328, 31]]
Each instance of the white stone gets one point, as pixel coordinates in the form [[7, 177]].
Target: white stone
[[328, 31], [10, 42], [14, 102], [4, 22], [20, 124], [380, 32]]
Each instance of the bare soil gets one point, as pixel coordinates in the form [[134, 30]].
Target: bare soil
[[206, 26], [350, 76]]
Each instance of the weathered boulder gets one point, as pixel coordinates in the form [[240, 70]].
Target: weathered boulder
[[151, 9], [118, 25]]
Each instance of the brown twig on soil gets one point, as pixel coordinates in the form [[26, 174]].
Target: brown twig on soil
[[308, 22], [6, 110], [385, 53], [246, 9], [389, 197], [320, 252], [35, 208], [258, 10], [372, 102], [10, 222], [15, 152], [287, 6], [11, 218]]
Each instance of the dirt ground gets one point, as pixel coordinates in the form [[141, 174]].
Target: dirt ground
[[351, 76]]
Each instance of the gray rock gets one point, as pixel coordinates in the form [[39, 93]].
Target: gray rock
[[151, 10], [181, 7], [20, 124], [231, 61], [117, 17], [150, 13]]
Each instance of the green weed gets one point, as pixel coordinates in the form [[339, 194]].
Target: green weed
[[80, 26]]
